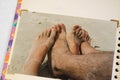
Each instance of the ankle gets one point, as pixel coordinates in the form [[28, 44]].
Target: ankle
[[86, 48], [61, 60]]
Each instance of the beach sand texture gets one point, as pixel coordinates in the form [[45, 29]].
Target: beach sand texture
[[32, 23]]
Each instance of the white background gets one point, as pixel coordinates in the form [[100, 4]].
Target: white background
[[98, 9]]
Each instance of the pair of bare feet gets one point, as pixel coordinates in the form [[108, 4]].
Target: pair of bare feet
[[65, 54]]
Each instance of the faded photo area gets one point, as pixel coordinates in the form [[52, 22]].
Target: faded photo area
[[63, 47]]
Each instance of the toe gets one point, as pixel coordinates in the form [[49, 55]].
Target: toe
[[42, 34], [53, 33], [38, 37], [48, 32], [76, 27], [73, 29], [88, 38], [82, 33], [62, 27], [57, 27], [45, 33], [78, 31], [85, 33]]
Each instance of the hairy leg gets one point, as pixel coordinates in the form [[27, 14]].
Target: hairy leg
[[83, 67], [86, 67], [38, 52]]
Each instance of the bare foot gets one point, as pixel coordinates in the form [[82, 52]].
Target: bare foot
[[73, 41], [43, 43], [84, 42], [38, 52], [76, 36], [59, 49]]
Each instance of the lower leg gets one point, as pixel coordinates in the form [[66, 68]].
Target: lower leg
[[84, 67]]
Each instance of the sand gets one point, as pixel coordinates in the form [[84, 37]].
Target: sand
[[31, 24]]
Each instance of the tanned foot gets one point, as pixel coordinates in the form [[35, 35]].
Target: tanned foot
[[77, 36], [84, 39], [38, 52], [85, 46], [59, 49], [73, 41]]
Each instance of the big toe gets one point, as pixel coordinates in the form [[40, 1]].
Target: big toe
[[62, 27], [74, 29], [62, 33]]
